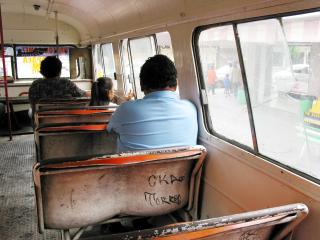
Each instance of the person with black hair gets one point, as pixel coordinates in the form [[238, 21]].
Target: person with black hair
[[52, 86], [160, 119], [102, 92]]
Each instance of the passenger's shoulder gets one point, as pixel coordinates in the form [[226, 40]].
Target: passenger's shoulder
[[67, 80], [189, 106], [36, 82], [188, 103], [129, 105]]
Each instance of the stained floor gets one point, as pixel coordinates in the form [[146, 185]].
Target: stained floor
[[18, 217]]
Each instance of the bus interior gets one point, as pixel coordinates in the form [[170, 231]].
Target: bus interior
[[251, 68]]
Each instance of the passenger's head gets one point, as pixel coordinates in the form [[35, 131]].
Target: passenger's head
[[158, 73], [51, 67], [101, 92]]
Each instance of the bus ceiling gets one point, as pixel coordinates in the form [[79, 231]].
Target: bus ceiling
[[33, 21]]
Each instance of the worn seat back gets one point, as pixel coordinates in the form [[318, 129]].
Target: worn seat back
[[74, 141], [147, 183], [49, 104], [272, 223], [55, 104], [73, 115]]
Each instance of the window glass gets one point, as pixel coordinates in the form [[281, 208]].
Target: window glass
[[274, 68], [164, 44], [126, 70], [8, 52], [141, 49], [8, 66], [108, 60], [28, 59], [281, 59], [97, 61], [165, 47], [304, 44], [223, 84], [303, 35]]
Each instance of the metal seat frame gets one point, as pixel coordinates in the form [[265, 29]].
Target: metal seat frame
[[77, 194], [272, 223]]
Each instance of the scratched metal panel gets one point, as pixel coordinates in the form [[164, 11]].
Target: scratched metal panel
[[89, 196], [256, 232], [243, 234], [271, 223], [76, 145]]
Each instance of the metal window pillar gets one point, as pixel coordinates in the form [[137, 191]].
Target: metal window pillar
[[5, 81]]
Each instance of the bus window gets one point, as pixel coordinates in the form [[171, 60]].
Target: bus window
[[164, 44], [134, 53], [108, 60], [140, 49], [304, 46], [8, 52], [165, 48], [281, 61], [28, 59], [223, 83], [97, 61], [281, 131], [126, 69]]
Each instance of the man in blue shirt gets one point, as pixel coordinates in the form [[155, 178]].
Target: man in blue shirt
[[160, 119]]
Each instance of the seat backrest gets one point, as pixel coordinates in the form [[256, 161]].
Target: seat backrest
[[50, 104], [73, 115], [146, 183], [73, 141], [46, 104], [271, 223]]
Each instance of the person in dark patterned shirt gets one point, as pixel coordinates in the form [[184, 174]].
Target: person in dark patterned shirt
[[52, 86]]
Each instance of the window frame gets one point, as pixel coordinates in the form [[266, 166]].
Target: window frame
[[103, 63], [17, 78], [132, 77], [122, 55], [153, 36], [12, 60], [203, 98]]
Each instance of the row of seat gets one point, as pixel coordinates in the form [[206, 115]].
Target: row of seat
[[67, 130], [80, 181]]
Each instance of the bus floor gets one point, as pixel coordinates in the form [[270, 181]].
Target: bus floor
[[18, 217]]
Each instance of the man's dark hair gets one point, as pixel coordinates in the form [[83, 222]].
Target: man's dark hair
[[158, 72], [51, 67]]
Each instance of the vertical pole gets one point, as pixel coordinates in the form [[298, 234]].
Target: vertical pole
[[5, 77]]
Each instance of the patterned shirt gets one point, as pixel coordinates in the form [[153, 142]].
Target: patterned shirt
[[53, 88]]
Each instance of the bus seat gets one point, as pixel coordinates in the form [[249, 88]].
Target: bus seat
[[271, 223], [145, 183], [46, 104], [78, 115], [73, 141]]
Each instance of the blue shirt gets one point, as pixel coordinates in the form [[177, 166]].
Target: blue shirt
[[158, 120]]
